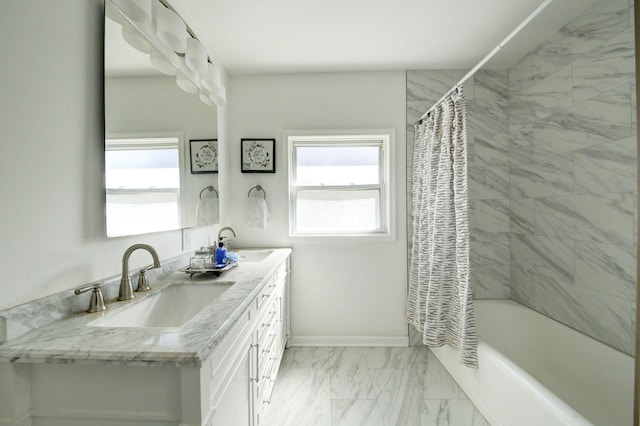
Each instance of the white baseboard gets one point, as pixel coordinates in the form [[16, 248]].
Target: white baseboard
[[400, 341], [75, 415]]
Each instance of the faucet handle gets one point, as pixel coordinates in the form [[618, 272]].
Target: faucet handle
[[96, 303], [143, 281]]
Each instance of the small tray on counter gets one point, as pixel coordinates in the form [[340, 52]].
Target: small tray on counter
[[216, 271]]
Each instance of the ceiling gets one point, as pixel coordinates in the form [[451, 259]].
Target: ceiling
[[287, 36]]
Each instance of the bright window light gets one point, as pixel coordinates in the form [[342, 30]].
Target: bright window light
[[339, 185], [142, 177]]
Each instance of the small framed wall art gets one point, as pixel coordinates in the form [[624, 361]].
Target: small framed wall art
[[258, 155], [204, 155]]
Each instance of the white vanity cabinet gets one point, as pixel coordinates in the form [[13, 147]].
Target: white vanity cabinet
[[270, 338], [244, 368], [231, 387], [226, 374]]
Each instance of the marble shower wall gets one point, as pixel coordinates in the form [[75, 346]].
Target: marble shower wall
[[488, 167], [552, 174], [573, 161]]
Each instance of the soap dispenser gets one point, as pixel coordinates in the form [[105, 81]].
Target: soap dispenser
[[221, 256]]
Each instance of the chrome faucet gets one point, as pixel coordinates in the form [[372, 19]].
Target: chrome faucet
[[126, 289], [222, 239]]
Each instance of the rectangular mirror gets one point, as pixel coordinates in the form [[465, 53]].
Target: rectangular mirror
[[149, 121]]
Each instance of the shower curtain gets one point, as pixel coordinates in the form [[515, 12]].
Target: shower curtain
[[440, 302]]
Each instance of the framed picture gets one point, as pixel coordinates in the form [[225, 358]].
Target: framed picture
[[258, 155], [204, 155]]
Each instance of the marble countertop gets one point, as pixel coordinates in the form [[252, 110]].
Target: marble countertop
[[71, 340]]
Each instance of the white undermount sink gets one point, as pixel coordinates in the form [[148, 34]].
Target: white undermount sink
[[253, 255], [172, 307]]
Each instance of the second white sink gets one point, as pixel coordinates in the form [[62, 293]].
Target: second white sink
[[254, 255], [172, 307]]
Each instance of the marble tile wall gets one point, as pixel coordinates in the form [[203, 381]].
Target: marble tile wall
[[573, 160], [552, 174], [488, 167]]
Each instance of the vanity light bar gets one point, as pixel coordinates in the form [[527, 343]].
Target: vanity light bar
[[172, 45]]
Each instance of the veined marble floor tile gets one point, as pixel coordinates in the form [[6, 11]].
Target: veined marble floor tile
[[358, 412], [434, 381], [399, 402], [301, 385], [409, 387], [356, 383], [300, 397], [306, 357], [394, 357], [454, 412], [350, 377]]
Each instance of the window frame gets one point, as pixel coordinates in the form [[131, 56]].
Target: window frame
[[382, 138], [160, 140]]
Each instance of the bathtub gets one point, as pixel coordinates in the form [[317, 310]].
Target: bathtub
[[536, 371]]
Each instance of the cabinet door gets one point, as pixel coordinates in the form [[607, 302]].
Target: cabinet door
[[234, 407]]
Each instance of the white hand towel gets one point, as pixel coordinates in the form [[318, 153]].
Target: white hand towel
[[207, 212], [257, 213]]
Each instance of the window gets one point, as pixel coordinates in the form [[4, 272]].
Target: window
[[142, 177], [339, 184]]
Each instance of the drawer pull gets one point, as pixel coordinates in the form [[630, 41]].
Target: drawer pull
[[257, 378]]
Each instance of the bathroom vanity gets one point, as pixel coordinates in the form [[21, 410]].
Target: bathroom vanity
[[218, 368]]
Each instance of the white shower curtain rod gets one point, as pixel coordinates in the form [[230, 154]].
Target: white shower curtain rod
[[491, 54]]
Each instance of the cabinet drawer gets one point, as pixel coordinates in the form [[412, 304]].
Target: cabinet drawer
[[265, 293], [266, 323], [217, 368]]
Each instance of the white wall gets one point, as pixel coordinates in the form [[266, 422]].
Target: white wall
[[51, 173], [51, 159], [340, 289]]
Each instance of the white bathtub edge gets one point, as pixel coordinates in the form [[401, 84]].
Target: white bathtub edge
[[501, 379]]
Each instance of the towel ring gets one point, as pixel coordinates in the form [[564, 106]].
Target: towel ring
[[208, 188], [258, 188]]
